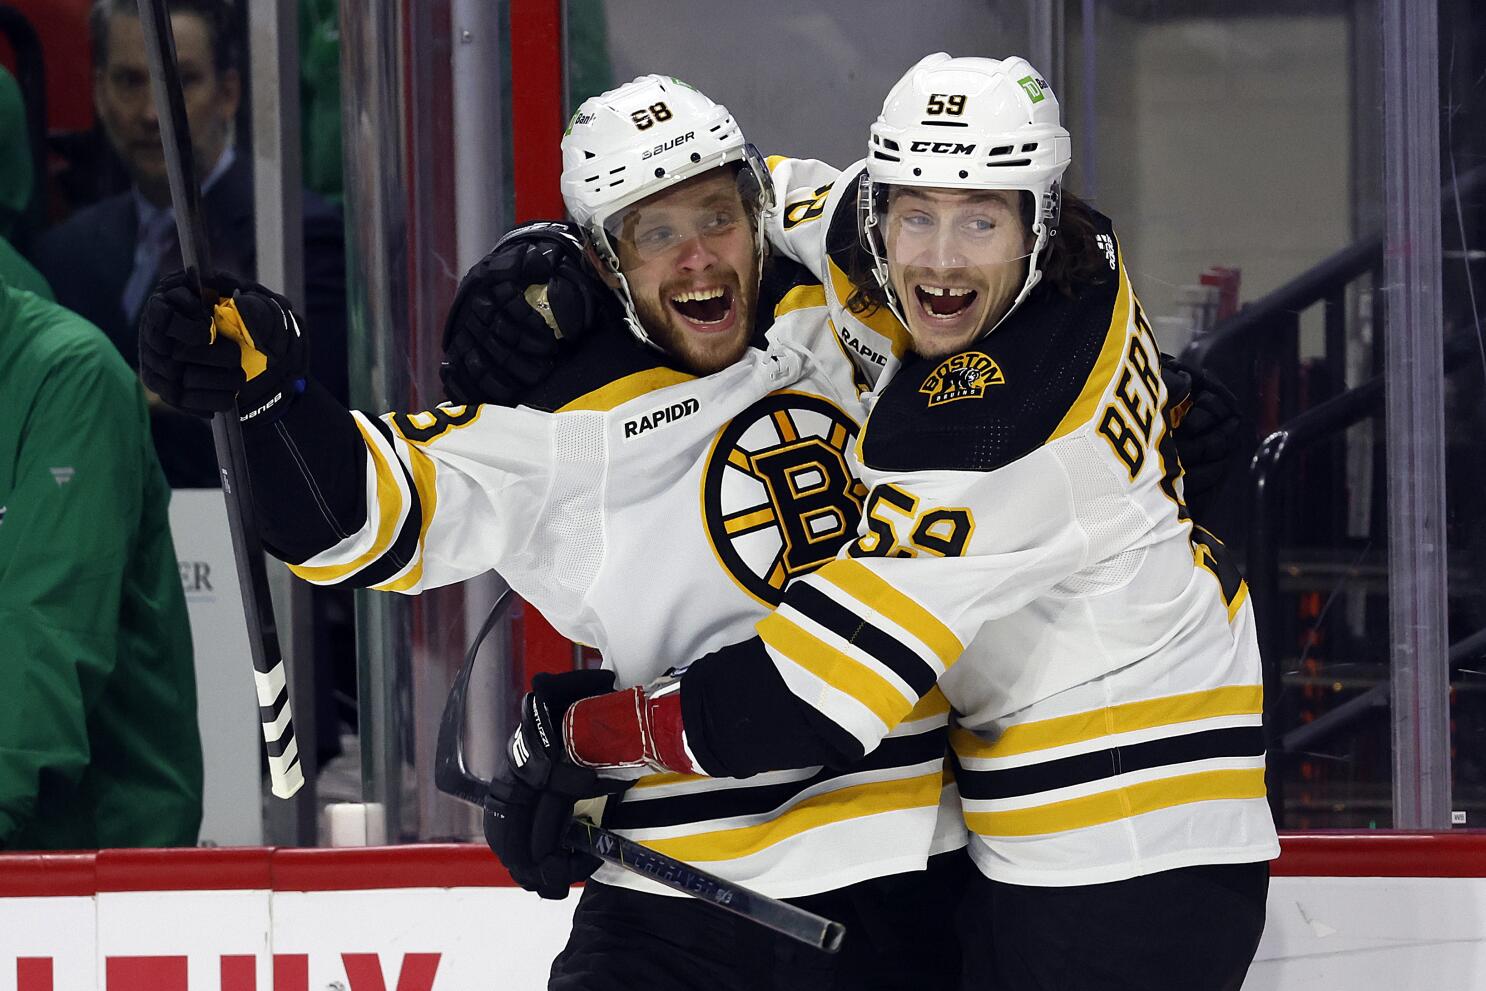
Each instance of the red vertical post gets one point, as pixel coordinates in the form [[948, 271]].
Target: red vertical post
[[536, 133], [536, 107]]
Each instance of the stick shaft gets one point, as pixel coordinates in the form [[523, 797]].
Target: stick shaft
[[453, 777], [780, 916], [285, 773]]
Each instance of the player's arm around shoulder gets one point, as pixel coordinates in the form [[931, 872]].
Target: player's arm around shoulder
[[803, 187]]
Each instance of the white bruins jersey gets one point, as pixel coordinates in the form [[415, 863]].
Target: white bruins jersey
[[658, 516], [816, 226], [1025, 549]]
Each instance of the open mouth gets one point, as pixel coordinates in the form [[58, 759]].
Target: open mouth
[[944, 301], [705, 307]]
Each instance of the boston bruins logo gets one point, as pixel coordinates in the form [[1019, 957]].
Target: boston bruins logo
[[963, 376], [776, 495]]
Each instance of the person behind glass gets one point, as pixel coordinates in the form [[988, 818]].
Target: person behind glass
[[103, 260], [1025, 548], [99, 745]]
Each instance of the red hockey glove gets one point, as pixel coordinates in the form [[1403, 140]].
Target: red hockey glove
[[637, 727]]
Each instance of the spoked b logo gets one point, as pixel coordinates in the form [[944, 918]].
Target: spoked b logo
[[777, 498]]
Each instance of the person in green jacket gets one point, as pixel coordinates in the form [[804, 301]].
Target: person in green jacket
[[99, 745]]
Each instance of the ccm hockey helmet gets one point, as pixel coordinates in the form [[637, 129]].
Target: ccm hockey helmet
[[639, 139], [966, 123]]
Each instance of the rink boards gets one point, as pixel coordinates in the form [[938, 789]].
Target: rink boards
[[1392, 911]]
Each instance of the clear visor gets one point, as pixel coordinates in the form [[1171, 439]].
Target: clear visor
[[955, 259], [714, 206], [937, 228]]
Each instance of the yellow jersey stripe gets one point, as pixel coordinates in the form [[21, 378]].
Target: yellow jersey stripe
[[841, 671], [1238, 600], [772, 162], [862, 584], [423, 481], [1120, 803], [1105, 368], [932, 704], [882, 320], [851, 802], [633, 386], [388, 504], [1060, 731], [800, 297]]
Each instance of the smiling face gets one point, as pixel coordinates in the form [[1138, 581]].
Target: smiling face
[[121, 94], [691, 261], [957, 259]]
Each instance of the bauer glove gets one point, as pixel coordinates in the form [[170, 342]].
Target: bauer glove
[[1207, 428], [532, 796], [517, 312], [247, 351]]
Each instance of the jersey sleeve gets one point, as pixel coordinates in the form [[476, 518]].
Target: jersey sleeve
[[448, 494], [803, 187]]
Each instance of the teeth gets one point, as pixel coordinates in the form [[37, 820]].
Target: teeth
[[697, 295], [943, 290]]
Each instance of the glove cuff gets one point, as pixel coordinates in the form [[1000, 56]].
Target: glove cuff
[[632, 728]]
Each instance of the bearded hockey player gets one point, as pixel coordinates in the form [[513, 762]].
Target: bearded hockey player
[[691, 438], [1025, 549]]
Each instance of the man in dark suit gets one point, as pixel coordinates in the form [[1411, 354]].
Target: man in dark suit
[[103, 261]]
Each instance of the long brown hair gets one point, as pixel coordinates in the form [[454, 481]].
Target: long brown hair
[[1071, 260]]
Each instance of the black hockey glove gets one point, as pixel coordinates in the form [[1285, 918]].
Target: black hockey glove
[[1206, 426], [248, 351], [517, 312], [532, 796]]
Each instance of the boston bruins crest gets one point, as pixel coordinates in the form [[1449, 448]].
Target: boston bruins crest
[[962, 376], [777, 497]]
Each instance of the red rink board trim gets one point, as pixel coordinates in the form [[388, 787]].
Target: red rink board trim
[[458, 865], [1461, 853]]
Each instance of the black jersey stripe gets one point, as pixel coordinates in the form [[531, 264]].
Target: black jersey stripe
[[849, 626], [405, 546], [634, 811], [1030, 779]]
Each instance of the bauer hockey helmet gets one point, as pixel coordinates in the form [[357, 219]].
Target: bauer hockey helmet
[[639, 139], [966, 123]]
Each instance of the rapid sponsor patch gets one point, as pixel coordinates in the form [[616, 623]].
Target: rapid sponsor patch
[[660, 417], [963, 376]]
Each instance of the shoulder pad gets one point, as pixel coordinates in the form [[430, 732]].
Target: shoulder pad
[[600, 359]]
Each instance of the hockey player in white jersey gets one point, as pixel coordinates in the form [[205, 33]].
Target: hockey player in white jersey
[[1026, 550], [692, 440]]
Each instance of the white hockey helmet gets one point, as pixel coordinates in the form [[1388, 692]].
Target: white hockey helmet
[[635, 141], [967, 123]]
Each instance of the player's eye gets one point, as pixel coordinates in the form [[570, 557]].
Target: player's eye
[[721, 222], [655, 238]]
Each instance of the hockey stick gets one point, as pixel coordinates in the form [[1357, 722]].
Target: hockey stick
[[453, 777], [285, 774]]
